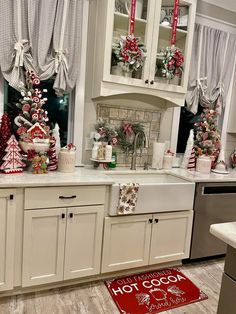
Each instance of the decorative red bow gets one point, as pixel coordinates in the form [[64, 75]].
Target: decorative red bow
[[128, 128]]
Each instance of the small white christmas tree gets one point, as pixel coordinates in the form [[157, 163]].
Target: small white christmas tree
[[13, 159], [188, 150]]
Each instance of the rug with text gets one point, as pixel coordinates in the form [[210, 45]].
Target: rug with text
[[153, 292]]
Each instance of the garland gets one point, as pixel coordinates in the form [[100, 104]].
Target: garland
[[126, 134]]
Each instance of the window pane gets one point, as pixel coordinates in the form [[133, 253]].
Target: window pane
[[57, 107]]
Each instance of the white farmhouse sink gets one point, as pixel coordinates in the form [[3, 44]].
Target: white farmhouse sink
[[157, 192]]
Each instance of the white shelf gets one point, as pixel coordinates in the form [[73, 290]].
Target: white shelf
[[165, 31], [121, 23], [100, 160]]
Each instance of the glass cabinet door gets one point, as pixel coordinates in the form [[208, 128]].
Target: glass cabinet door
[[123, 63], [168, 73]]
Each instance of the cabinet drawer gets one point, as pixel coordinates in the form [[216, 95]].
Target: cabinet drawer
[[64, 196]]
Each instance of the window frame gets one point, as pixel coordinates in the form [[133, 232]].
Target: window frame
[[77, 99]]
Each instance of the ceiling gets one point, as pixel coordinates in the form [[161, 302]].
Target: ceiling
[[226, 4]]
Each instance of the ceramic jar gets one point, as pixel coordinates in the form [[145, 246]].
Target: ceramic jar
[[167, 161], [66, 160], [204, 164]]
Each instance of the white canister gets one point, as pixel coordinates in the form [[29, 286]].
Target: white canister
[[204, 164], [66, 160], [158, 154], [167, 161]]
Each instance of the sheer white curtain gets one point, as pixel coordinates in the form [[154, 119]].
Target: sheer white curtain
[[212, 67], [42, 35]]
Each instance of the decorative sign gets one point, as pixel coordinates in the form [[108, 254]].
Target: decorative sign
[[153, 292]]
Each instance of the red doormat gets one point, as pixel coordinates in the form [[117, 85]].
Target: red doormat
[[153, 292]]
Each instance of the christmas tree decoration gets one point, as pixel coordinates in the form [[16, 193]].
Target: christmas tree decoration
[[5, 133], [53, 161], [208, 140], [221, 166], [188, 150], [13, 159], [192, 161], [31, 123]]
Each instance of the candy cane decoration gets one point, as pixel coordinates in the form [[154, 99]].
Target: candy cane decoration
[[132, 16], [175, 22]]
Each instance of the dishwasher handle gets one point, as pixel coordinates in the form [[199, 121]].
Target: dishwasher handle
[[219, 189]]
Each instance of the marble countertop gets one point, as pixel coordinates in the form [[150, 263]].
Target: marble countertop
[[225, 232], [91, 176], [81, 176], [194, 176]]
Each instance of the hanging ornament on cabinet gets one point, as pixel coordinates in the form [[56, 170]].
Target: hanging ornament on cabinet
[[173, 58]]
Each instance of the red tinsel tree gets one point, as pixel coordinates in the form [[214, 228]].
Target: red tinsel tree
[[5, 133]]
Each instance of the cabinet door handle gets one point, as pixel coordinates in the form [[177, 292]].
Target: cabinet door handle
[[150, 221], [63, 215], [11, 196], [156, 220], [152, 82], [147, 81], [67, 197], [71, 215]]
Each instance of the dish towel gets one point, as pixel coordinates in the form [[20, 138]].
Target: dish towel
[[128, 198]]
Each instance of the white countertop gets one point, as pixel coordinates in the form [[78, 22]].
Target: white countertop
[[91, 176], [225, 232], [81, 176], [194, 176]]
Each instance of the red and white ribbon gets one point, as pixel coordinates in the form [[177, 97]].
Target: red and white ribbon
[[132, 16], [175, 22]]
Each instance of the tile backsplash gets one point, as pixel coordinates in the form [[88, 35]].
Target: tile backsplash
[[150, 119]]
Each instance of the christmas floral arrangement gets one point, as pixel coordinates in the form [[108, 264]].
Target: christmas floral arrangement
[[129, 53], [32, 121], [207, 135], [172, 62], [105, 132], [126, 134]]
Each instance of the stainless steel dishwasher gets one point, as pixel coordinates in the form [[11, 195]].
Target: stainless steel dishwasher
[[214, 203]]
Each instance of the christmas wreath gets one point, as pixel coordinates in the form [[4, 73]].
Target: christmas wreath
[[172, 62], [126, 134]]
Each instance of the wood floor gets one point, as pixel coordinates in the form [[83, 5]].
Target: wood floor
[[95, 299]]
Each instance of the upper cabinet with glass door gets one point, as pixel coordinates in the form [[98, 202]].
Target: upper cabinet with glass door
[[116, 70]]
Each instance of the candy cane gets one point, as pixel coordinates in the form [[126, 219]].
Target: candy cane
[[132, 16], [19, 121]]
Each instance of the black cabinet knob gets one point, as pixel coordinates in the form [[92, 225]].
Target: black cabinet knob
[[71, 215], [150, 221], [156, 220], [147, 81], [63, 215], [152, 82]]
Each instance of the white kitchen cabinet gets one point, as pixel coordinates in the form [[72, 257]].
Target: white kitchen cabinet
[[111, 20], [171, 235], [126, 242], [140, 240], [7, 238], [61, 244], [83, 241], [43, 246], [64, 240]]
